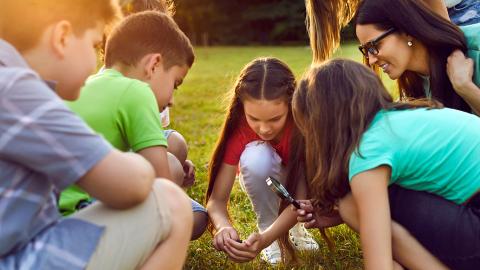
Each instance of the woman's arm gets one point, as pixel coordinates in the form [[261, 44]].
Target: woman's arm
[[217, 206], [438, 6], [460, 72], [370, 192]]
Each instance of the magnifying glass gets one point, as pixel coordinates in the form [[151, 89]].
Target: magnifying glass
[[281, 191]]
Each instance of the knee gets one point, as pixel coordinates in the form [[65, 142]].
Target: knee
[[399, 232], [176, 200], [256, 161], [177, 145], [200, 222], [176, 169]]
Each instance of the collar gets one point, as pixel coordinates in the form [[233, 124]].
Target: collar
[[10, 57]]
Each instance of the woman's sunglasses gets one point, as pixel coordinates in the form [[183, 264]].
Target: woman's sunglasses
[[371, 46]]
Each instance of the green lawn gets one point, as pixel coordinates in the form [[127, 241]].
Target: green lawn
[[198, 114]]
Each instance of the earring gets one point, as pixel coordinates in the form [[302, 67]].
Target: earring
[[410, 43]]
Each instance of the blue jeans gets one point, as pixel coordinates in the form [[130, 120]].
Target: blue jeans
[[465, 13], [451, 232]]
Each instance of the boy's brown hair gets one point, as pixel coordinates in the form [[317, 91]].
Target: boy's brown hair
[[148, 32], [25, 21]]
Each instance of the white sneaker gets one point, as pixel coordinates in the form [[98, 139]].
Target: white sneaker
[[272, 254], [301, 239]]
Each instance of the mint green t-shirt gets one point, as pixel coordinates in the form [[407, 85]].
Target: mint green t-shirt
[[436, 150], [124, 111]]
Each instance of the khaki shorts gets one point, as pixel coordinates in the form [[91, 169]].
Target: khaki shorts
[[130, 235]]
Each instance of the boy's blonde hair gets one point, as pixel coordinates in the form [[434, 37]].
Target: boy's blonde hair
[[24, 21], [134, 6], [145, 33]]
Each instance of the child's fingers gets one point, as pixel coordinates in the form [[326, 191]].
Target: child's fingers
[[307, 207], [218, 242], [305, 218], [311, 224], [234, 257], [233, 235], [241, 255]]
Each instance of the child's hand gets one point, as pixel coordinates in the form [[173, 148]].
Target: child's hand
[[222, 235], [460, 71], [245, 251], [312, 219], [189, 169], [305, 213]]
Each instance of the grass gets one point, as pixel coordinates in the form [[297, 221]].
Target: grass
[[198, 114]]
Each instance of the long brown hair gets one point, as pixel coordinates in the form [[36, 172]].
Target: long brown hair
[[325, 19], [268, 79], [333, 106], [437, 34]]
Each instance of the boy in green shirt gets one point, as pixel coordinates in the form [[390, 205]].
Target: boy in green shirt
[[146, 57]]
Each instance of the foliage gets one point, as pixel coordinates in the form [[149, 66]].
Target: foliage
[[242, 21]]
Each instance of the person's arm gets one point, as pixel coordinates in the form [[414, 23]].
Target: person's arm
[[120, 180], [217, 206], [157, 156], [438, 6], [460, 73], [370, 192], [250, 248], [407, 251]]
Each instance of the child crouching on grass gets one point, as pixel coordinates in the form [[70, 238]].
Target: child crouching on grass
[[138, 222], [147, 56], [415, 163], [260, 138]]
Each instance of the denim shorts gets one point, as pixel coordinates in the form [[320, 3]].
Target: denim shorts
[[168, 132], [449, 231], [197, 207], [465, 13]]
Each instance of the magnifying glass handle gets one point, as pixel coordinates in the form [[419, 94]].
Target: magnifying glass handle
[[296, 204]]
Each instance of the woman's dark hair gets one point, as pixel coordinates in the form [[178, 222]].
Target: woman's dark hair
[[439, 36]]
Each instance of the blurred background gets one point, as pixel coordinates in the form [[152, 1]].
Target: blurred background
[[244, 22]]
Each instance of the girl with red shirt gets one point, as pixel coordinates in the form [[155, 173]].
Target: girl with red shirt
[[260, 138]]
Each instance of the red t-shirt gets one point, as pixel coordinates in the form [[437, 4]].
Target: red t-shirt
[[244, 135]]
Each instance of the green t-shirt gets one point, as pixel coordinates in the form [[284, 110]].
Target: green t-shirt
[[124, 111], [437, 151]]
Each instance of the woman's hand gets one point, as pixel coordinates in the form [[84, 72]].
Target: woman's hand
[[222, 236], [460, 71], [312, 219], [247, 250]]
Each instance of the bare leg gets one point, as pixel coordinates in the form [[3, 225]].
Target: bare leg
[[200, 221], [407, 251], [171, 252], [177, 145], [176, 169]]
